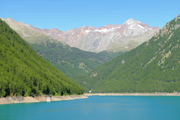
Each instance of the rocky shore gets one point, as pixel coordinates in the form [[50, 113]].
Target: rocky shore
[[20, 99]]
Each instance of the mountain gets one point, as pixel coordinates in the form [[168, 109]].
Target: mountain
[[71, 61], [27, 32], [151, 67], [114, 38], [110, 37], [24, 73]]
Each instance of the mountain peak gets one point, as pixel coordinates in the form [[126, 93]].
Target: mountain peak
[[129, 21], [155, 27], [54, 29], [109, 25], [87, 27], [8, 19]]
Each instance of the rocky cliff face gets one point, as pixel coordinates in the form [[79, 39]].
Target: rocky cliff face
[[110, 37]]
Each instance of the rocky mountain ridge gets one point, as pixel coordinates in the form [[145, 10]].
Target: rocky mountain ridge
[[27, 32], [110, 37]]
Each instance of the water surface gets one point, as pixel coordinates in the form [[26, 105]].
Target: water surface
[[97, 108]]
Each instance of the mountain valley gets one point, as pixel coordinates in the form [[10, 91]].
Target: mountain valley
[[71, 61], [153, 64], [151, 67]]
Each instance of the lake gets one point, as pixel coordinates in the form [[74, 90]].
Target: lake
[[97, 108]]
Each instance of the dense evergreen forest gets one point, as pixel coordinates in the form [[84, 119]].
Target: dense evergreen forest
[[24, 73], [154, 66], [71, 61]]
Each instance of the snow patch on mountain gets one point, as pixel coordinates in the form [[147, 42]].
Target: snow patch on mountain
[[105, 30]]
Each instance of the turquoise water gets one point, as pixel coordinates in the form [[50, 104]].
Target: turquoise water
[[97, 108]]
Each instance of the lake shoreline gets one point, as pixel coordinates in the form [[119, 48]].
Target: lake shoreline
[[132, 94], [29, 99]]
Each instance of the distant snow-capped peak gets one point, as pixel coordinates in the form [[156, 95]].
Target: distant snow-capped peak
[[105, 29]]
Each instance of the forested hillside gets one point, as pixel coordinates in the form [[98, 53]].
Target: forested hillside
[[71, 61], [152, 67], [24, 73]]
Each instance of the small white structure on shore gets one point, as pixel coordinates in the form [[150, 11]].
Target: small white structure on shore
[[48, 98], [90, 91]]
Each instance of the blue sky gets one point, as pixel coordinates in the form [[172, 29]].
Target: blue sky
[[68, 14]]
